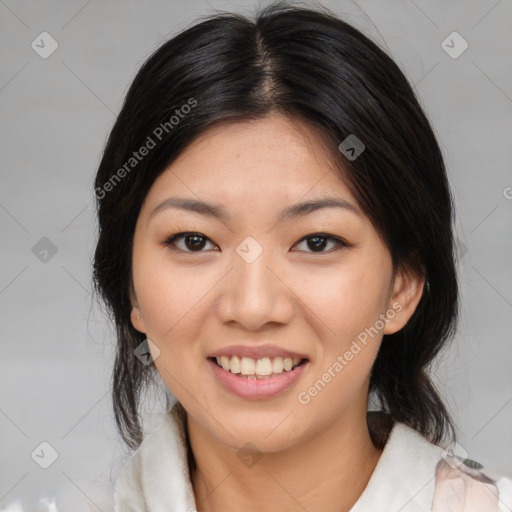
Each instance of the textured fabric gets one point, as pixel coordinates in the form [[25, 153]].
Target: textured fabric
[[462, 486], [156, 477], [412, 475]]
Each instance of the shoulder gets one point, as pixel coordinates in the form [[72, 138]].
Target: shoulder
[[463, 484], [416, 475], [156, 476], [128, 489]]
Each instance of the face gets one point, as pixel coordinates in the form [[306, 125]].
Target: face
[[242, 279]]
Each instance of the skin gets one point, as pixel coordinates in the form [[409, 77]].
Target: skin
[[316, 456]]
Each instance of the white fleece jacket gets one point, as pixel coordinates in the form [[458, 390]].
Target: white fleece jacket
[[412, 475]]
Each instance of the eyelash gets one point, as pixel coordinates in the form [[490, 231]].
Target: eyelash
[[170, 241]]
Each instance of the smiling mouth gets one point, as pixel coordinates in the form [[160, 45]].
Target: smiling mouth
[[264, 368]]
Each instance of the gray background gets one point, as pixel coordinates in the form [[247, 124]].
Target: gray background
[[57, 347]]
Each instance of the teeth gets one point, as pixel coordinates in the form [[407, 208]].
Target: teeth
[[277, 365], [263, 366], [234, 365], [247, 366], [257, 368]]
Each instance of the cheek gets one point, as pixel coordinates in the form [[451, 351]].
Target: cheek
[[170, 300], [167, 294], [345, 301], [344, 307]]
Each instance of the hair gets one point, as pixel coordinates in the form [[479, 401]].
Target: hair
[[321, 72]]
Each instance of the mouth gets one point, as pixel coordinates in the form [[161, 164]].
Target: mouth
[[257, 379], [258, 369]]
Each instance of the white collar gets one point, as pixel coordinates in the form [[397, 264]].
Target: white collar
[[156, 476], [404, 478]]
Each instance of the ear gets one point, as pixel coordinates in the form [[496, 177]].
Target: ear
[[135, 314], [406, 294]]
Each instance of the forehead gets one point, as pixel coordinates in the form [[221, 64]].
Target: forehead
[[268, 160]]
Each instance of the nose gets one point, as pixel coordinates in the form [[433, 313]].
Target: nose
[[255, 294]]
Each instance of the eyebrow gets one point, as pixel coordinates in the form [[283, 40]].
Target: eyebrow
[[291, 212]]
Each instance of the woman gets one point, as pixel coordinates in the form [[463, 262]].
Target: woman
[[275, 244]]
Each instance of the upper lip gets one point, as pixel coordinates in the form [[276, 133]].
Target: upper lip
[[256, 352]]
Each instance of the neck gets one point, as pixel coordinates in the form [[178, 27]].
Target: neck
[[326, 472]]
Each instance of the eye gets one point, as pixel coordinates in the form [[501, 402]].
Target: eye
[[318, 241], [193, 242]]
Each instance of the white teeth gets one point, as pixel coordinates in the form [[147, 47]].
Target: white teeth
[[247, 366], [224, 362], [264, 366], [259, 368], [234, 365], [277, 365]]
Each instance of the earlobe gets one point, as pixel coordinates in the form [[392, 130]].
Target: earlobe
[[137, 320], [135, 314], [406, 295]]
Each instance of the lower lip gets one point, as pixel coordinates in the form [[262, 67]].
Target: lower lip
[[256, 388]]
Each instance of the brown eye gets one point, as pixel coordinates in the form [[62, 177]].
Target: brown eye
[[318, 241], [192, 242]]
